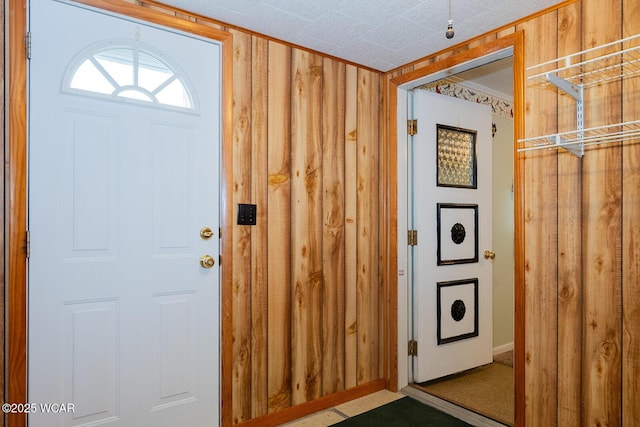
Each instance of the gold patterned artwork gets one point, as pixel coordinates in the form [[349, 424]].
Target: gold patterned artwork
[[456, 160]]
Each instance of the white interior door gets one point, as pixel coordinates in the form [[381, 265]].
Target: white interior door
[[124, 136], [451, 279]]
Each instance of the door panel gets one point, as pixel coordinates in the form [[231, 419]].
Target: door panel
[[452, 302], [91, 363], [123, 319]]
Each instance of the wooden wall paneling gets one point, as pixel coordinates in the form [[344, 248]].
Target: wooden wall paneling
[[540, 216], [482, 41], [278, 228], [601, 201], [368, 226], [351, 227], [631, 237], [242, 234], [569, 240], [16, 202], [333, 243], [383, 261], [226, 227], [259, 254], [505, 31], [306, 226]]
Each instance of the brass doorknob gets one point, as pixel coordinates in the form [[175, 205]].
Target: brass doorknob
[[206, 233], [489, 255], [207, 261]]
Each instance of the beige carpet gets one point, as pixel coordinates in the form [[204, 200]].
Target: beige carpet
[[487, 390]]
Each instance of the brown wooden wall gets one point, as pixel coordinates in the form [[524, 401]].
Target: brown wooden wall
[[581, 235], [305, 278], [306, 285]]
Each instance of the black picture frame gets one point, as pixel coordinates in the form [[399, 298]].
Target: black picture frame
[[454, 322], [456, 157], [457, 233]]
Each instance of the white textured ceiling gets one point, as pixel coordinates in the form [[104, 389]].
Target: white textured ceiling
[[381, 34]]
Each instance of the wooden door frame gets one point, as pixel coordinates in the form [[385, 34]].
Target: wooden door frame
[[16, 196], [516, 42]]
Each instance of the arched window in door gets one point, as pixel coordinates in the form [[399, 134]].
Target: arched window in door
[[130, 73]]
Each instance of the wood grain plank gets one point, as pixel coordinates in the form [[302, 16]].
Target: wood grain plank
[[631, 238], [259, 257], [381, 251], [226, 225], [279, 232], [506, 31], [16, 205], [488, 38], [241, 310], [569, 240], [333, 255], [519, 303], [306, 226], [601, 213], [368, 227], [351, 226], [540, 240]]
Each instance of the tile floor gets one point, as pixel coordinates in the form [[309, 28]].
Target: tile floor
[[350, 409]]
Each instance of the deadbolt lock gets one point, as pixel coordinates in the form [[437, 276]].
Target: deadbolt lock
[[206, 233]]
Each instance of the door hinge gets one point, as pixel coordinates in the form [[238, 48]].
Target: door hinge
[[412, 127], [27, 243], [413, 348], [412, 237], [27, 43]]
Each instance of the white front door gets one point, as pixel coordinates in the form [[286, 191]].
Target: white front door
[[124, 136], [450, 208]]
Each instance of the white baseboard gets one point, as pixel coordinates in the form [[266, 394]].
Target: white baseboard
[[502, 348]]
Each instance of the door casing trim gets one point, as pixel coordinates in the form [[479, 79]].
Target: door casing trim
[[396, 354]]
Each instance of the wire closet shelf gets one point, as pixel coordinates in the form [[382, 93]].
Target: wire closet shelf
[[611, 62]]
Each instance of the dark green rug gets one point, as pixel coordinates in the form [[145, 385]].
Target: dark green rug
[[405, 412]]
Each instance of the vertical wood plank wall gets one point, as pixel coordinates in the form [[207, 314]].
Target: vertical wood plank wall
[[581, 233], [292, 341], [569, 242], [602, 237], [540, 211], [306, 141]]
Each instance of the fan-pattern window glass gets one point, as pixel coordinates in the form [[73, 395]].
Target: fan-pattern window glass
[[132, 73]]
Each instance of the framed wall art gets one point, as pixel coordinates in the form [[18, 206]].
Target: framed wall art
[[457, 310], [456, 157], [457, 233]]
